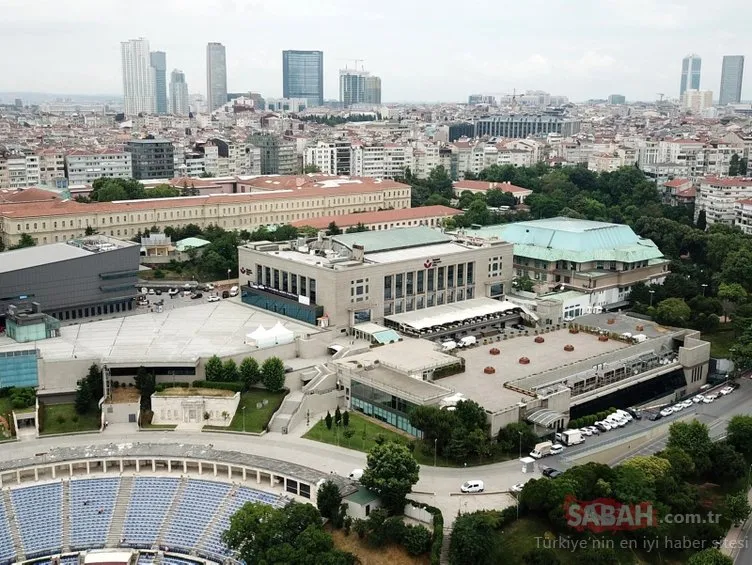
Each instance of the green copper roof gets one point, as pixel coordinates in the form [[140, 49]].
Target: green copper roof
[[388, 240], [569, 239]]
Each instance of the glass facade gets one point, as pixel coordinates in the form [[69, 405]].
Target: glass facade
[[303, 76], [269, 300], [19, 368], [383, 406]]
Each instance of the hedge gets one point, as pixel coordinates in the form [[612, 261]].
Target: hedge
[[234, 387], [590, 419], [162, 386], [438, 529]]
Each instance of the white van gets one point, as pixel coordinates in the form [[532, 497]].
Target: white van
[[356, 474], [234, 291], [448, 345], [467, 341], [472, 486]]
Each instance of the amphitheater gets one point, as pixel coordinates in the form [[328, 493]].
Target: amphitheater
[[137, 503]]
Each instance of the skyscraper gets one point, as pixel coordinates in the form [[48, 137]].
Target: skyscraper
[[216, 76], [358, 87], [138, 77], [303, 76], [690, 77], [159, 64], [179, 104], [731, 80]]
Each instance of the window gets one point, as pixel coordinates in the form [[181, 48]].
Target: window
[[388, 287], [431, 276], [409, 289], [470, 274], [441, 279], [399, 293], [461, 274], [450, 276], [420, 276]]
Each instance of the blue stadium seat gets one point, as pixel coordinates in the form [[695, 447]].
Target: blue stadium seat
[[92, 502], [39, 514]]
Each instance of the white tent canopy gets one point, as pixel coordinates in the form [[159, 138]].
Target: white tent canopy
[[453, 313], [276, 335]]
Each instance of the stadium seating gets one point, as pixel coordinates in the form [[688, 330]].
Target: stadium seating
[[6, 540], [195, 510], [150, 500], [92, 502], [39, 514]]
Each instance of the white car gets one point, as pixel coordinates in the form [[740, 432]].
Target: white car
[[697, 399], [472, 486], [586, 431], [173, 291], [667, 412], [726, 390], [556, 449], [678, 407], [687, 404], [186, 293], [213, 299], [594, 431], [518, 487], [709, 398], [209, 286], [605, 426], [151, 291]]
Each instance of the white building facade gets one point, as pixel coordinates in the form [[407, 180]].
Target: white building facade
[[138, 77]]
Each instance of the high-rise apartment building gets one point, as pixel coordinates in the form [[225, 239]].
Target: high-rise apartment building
[[617, 99], [358, 87], [278, 157], [731, 80], [690, 76], [521, 126], [151, 158], [697, 100], [216, 76], [179, 104], [303, 76], [138, 77], [159, 64]]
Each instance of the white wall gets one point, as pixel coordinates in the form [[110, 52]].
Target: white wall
[[176, 409]]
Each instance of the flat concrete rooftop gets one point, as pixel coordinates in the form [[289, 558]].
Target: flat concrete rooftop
[[180, 335], [489, 391], [625, 324]]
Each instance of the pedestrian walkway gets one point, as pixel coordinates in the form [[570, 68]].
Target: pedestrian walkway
[[737, 536], [189, 427]]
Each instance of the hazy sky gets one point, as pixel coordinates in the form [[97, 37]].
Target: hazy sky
[[438, 50]]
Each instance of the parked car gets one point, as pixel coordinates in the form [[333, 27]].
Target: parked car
[[735, 385], [555, 473], [213, 299], [197, 296], [151, 291], [709, 398], [666, 412], [636, 414], [557, 449], [697, 399], [186, 293], [677, 407], [548, 471], [593, 430], [472, 486], [518, 487], [158, 292], [655, 416], [586, 431], [173, 291], [603, 426], [726, 390], [356, 474], [225, 294]]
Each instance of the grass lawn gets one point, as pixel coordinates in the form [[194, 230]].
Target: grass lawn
[[720, 342], [389, 555], [62, 419], [256, 419], [367, 429]]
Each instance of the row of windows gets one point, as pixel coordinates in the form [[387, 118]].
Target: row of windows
[[90, 311], [293, 283], [430, 279], [432, 299]]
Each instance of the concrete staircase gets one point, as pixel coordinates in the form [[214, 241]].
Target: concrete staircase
[[220, 511], [281, 419], [66, 515], [13, 525], [171, 510], [118, 513], [444, 560]]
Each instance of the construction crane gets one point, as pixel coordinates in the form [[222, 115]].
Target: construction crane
[[661, 96], [356, 62]]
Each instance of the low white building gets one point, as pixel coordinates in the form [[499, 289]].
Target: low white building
[[194, 406], [718, 198], [86, 166]]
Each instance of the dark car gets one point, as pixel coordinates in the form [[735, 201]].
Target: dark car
[[226, 294], [634, 413], [550, 472], [734, 385], [196, 296], [655, 416], [157, 292]]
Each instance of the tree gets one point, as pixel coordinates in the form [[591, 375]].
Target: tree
[[693, 438], [83, 397], [162, 191], [95, 380], [230, 371], [525, 284], [710, 556], [517, 436], [146, 385], [477, 213], [654, 467], [333, 229], [249, 372], [727, 465], [345, 418], [328, 420], [337, 417], [541, 556], [702, 221], [357, 228], [328, 500], [308, 169], [737, 507], [89, 231], [261, 533], [673, 312], [391, 473], [273, 374], [473, 538], [739, 435], [496, 198], [416, 539], [731, 294], [734, 166], [24, 241], [213, 369]]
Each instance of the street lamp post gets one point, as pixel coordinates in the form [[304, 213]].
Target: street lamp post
[[520, 433], [652, 292], [243, 419], [228, 273], [435, 450], [704, 286], [748, 476]]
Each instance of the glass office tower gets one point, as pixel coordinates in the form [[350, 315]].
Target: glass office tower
[[303, 76]]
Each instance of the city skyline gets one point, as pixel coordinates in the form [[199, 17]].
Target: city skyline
[[604, 53], [216, 75]]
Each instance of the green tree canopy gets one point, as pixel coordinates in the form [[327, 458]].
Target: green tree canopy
[[710, 557], [146, 384], [694, 439], [213, 369], [391, 473], [273, 374], [673, 312], [249, 372], [328, 500]]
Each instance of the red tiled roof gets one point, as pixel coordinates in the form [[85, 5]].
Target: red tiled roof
[[308, 182], [676, 183], [367, 218], [27, 195], [687, 193], [486, 185], [727, 181]]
